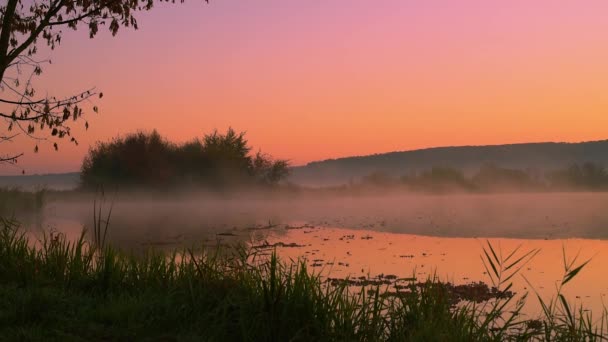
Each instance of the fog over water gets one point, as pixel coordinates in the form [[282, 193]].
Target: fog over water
[[369, 235], [526, 216]]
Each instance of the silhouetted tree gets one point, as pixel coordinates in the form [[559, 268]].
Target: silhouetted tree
[[589, 176], [228, 155], [378, 178], [269, 171], [138, 159], [493, 177], [218, 160], [24, 25], [438, 179]]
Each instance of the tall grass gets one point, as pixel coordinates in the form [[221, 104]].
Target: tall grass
[[81, 290], [15, 201]]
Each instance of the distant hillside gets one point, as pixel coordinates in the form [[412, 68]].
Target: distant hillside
[[539, 156], [57, 181]]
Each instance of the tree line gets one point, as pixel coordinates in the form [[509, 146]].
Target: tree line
[[148, 160], [587, 176]]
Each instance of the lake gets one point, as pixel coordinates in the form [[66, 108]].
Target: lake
[[401, 235]]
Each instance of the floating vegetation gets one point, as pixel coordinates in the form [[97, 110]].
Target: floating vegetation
[[87, 290], [288, 227], [278, 244], [226, 234]]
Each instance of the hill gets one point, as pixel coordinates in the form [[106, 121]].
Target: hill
[[538, 156]]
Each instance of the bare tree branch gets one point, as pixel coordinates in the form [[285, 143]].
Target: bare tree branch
[[22, 102], [25, 26], [10, 159]]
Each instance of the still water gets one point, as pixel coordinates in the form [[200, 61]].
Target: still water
[[404, 236]]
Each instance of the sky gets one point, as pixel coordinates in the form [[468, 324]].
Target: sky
[[318, 79]]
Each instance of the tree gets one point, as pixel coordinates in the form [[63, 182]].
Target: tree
[[218, 161], [439, 179], [493, 177], [268, 170], [589, 176], [25, 24]]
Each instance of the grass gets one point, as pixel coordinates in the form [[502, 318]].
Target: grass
[[14, 200], [55, 289]]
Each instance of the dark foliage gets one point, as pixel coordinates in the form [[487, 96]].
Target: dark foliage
[[543, 157], [26, 26], [439, 179], [14, 201], [86, 290], [588, 176], [492, 178], [147, 160]]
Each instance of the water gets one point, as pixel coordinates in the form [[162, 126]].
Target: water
[[405, 236], [342, 253]]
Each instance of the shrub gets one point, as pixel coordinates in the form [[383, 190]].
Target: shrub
[[216, 160]]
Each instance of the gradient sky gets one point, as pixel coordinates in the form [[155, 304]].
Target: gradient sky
[[321, 79]]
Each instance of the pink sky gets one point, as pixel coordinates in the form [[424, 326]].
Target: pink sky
[[312, 80]]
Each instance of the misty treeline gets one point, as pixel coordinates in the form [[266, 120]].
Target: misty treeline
[[148, 160], [587, 176]]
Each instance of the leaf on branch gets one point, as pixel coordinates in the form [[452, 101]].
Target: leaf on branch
[[56, 147], [44, 22], [93, 28], [114, 26]]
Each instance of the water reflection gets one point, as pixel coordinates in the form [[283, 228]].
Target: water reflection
[[338, 252], [402, 236]]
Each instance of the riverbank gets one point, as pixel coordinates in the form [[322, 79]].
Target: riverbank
[[82, 290]]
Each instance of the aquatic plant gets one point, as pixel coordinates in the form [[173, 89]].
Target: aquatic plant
[[15, 201], [85, 289]]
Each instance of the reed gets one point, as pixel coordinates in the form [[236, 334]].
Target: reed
[[80, 290], [16, 201]]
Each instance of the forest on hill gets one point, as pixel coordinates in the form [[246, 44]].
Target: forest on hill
[[531, 157]]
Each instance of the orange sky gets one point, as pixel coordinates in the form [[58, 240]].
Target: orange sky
[[322, 79]]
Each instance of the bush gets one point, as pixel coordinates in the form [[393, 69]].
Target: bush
[[438, 179], [588, 176], [217, 160], [87, 290], [492, 177], [15, 201]]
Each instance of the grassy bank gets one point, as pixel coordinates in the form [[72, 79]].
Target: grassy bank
[[15, 201], [61, 290]]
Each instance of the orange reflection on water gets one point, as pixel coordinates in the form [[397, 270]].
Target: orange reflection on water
[[338, 252]]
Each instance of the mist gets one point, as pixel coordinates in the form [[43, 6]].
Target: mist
[[143, 220]]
